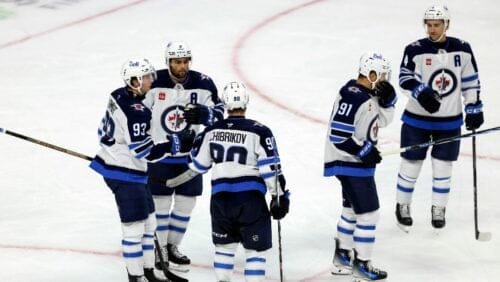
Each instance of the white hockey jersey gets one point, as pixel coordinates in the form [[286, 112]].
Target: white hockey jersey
[[167, 100], [355, 118], [126, 145], [243, 155], [451, 70]]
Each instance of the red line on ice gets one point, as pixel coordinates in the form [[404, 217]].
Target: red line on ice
[[235, 62], [70, 24], [240, 44]]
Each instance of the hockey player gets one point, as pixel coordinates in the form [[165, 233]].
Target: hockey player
[[245, 164], [181, 100], [436, 71], [363, 105], [126, 147]]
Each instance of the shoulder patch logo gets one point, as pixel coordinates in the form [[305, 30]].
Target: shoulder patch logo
[[354, 89], [138, 107], [428, 61], [162, 95]]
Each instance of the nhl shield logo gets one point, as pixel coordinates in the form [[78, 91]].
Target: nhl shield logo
[[172, 119]]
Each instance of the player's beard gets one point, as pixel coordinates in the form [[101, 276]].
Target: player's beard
[[181, 75]]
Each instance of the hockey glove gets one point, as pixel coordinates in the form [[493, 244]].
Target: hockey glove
[[386, 94], [279, 211], [427, 98], [474, 115], [181, 142], [198, 114], [369, 154]]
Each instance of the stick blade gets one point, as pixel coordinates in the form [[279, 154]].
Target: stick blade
[[483, 236]]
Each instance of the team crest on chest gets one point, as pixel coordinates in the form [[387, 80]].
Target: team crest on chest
[[373, 133], [443, 81], [172, 119]]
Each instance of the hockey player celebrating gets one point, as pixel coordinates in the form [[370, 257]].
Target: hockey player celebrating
[[126, 147], [363, 105], [245, 164], [437, 71], [181, 100]]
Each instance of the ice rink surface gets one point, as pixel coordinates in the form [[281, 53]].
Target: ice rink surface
[[59, 60]]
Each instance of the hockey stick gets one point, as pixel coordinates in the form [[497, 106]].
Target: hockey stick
[[438, 142], [276, 174], [171, 276], [45, 144], [480, 236]]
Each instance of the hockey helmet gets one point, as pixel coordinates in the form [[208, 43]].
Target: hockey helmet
[[177, 49], [437, 12], [235, 96], [137, 68], [375, 62]]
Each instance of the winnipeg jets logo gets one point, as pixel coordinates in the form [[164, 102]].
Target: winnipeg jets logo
[[443, 81], [172, 119], [373, 133]]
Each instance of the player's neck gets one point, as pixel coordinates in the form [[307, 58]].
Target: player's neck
[[236, 113]]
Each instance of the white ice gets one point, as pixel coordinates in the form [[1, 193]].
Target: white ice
[[58, 221]]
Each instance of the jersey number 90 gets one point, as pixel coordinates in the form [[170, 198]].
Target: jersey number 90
[[233, 153]]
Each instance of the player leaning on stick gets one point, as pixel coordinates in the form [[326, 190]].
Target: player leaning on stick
[[440, 73]]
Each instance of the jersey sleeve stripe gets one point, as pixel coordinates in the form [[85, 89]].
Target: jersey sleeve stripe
[[342, 126], [470, 78], [272, 160], [145, 152], [199, 167]]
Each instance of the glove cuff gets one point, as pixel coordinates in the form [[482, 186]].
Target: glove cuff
[[418, 90], [365, 150], [210, 117], [175, 146], [472, 109]]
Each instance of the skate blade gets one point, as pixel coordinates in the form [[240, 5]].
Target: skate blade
[[405, 228], [341, 270], [359, 279], [484, 236], [178, 267]]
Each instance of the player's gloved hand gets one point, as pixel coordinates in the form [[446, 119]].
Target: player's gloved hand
[[279, 211], [181, 142], [427, 98], [198, 114], [474, 115], [369, 154], [386, 94]]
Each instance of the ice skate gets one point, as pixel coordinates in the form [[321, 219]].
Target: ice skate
[[364, 271], [403, 216], [438, 219], [342, 260], [177, 260]]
